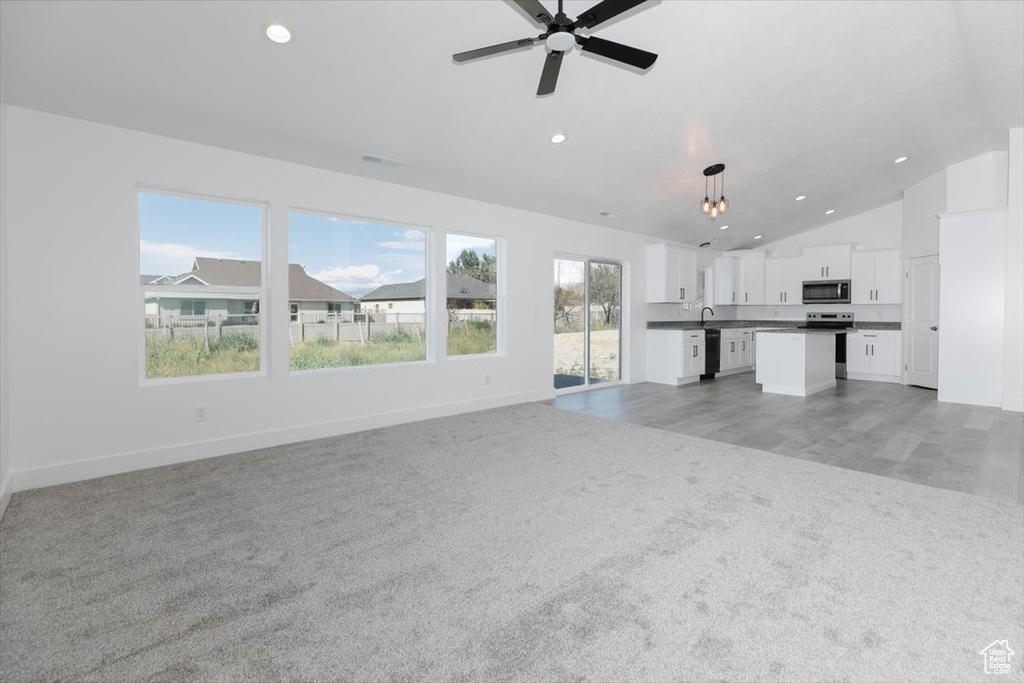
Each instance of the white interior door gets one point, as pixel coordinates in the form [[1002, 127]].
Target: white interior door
[[922, 321]]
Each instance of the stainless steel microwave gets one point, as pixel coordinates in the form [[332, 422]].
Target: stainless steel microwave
[[827, 292]]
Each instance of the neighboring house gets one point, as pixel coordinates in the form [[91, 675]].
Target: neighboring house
[[410, 297], [306, 295]]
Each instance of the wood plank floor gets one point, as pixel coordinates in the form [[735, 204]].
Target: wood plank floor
[[886, 429]]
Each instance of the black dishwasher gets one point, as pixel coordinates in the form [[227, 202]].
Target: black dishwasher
[[712, 353]]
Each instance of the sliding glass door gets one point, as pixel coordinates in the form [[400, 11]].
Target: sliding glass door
[[588, 322]]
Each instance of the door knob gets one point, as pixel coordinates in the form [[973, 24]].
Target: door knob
[[933, 328]]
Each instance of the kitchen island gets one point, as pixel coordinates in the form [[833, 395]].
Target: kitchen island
[[796, 362]]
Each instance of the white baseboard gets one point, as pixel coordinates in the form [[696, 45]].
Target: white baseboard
[[93, 468], [6, 487], [892, 379], [1015, 405]]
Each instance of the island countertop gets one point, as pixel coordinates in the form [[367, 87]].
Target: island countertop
[[779, 325], [796, 330]]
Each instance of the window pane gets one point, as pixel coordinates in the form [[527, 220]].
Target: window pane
[[190, 242], [605, 294], [192, 337], [472, 302], [371, 276], [570, 346]]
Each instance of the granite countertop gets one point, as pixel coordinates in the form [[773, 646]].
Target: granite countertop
[[792, 330], [776, 325]]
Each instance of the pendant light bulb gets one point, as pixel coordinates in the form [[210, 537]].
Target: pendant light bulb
[[705, 205], [722, 204], [714, 210]]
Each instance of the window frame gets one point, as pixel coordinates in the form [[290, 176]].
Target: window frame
[[260, 293], [500, 296], [430, 233]]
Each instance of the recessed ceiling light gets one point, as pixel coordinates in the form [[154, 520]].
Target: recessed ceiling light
[[558, 138], [724, 227], [278, 33], [757, 237], [899, 160], [830, 212], [800, 198]]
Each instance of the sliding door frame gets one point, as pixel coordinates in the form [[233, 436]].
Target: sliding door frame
[[623, 269]]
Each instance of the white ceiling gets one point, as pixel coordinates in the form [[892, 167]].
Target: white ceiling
[[794, 97]]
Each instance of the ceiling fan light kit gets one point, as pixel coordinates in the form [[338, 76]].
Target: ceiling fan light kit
[[710, 206], [560, 37]]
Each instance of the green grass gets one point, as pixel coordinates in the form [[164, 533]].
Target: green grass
[[189, 356], [184, 357], [474, 336], [393, 347]]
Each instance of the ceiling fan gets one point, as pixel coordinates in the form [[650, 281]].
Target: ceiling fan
[[561, 36]]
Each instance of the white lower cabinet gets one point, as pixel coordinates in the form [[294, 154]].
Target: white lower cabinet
[[873, 355], [675, 356], [737, 351]]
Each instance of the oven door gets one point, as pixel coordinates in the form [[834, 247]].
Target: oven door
[[827, 292]]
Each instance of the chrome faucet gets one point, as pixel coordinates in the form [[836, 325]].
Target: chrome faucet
[[706, 308]]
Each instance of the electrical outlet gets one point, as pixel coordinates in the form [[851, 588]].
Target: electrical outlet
[[200, 415]]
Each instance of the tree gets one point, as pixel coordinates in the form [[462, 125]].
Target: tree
[[567, 301], [482, 267], [605, 290]]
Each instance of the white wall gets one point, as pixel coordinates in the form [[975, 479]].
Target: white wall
[[5, 452], [971, 307], [1013, 351], [880, 228], [79, 410], [921, 204], [977, 183]]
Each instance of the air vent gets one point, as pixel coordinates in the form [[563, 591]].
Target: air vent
[[383, 161]]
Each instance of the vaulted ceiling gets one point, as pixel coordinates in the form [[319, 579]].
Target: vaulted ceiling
[[796, 98]]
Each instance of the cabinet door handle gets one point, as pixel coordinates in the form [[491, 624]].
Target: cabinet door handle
[[746, 297], [786, 299], [823, 271], [828, 270], [734, 297], [682, 292], [876, 295], [872, 349], [934, 328], [865, 349], [871, 295], [744, 346]]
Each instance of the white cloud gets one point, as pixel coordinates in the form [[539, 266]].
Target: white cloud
[[411, 240], [168, 258], [356, 280], [456, 243]]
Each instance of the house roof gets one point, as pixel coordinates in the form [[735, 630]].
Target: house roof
[[459, 287], [237, 273]]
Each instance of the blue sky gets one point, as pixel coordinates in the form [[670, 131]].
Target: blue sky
[[355, 256]]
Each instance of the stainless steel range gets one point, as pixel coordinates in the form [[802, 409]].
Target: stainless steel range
[[832, 321]]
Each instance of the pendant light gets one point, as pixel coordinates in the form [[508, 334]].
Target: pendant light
[[713, 208]]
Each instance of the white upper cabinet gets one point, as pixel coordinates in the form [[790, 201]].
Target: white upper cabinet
[[875, 277], [671, 274], [727, 281], [826, 263], [751, 289], [782, 282]]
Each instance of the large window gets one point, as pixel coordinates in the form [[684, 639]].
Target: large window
[[200, 274], [472, 296], [357, 290]]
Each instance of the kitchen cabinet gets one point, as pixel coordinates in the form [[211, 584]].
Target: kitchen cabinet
[[675, 356], [875, 277], [873, 355], [825, 263], [727, 280], [736, 351], [671, 274], [782, 283], [751, 289]]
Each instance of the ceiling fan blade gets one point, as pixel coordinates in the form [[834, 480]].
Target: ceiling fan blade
[[603, 11], [535, 10], [549, 76], [493, 49], [617, 51]]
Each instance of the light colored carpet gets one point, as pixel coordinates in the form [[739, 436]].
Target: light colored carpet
[[524, 543]]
